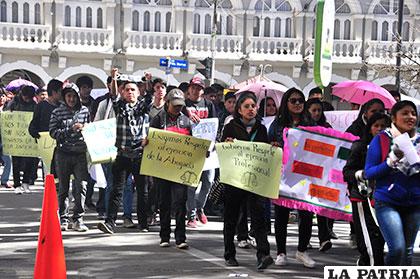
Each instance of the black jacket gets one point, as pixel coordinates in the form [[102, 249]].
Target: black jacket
[[180, 124], [236, 129], [357, 128], [17, 104], [41, 118]]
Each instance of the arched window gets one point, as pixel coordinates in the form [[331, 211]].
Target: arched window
[[219, 25], [196, 24], [288, 33], [89, 17], [67, 16], [135, 21], [15, 12], [385, 27], [229, 25], [78, 17], [394, 31], [336, 29], [406, 31], [347, 29], [146, 21], [3, 11], [263, 5], [277, 27], [341, 7], [37, 13], [256, 32], [168, 22], [157, 22], [25, 13], [374, 32], [207, 24], [267, 23], [387, 7], [282, 6], [99, 21]]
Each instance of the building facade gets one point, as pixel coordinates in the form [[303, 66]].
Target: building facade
[[66, 38]]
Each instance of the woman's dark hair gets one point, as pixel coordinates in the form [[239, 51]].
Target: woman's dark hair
[[242, 98], [263, 102], [366, 106], [283, 114], [27, 91], [400, 105], [314, 101], [158, 80], [367, 136], [170, 87]]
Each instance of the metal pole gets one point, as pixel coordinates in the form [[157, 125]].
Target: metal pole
[[213, 42], [53, 23], [399, 32]]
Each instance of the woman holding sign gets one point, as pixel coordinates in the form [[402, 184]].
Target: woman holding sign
[[245, 127], [393, 161]]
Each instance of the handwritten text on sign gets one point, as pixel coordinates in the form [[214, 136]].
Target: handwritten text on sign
[[103, 150], [46, 146], [251, 166], [174, 157], [15, 136], [341, 120]]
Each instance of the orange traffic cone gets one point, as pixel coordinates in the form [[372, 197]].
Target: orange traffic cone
[[50, 261]]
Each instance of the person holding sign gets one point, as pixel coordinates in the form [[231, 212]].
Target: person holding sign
[[245, 126], [397, 190], [172, 195], [132, 127], [66, 124]]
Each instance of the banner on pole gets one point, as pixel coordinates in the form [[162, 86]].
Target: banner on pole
[[174, 157], [251, 166]]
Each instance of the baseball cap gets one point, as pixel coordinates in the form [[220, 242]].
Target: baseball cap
[[198, 81], [176, 97]]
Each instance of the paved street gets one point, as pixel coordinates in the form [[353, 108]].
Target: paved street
[[130, 254]]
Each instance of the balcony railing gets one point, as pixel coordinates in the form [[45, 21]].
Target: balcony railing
[[226, 45], [85, 39], [344, 51], [154, 43], [17, 35], [277, 49]]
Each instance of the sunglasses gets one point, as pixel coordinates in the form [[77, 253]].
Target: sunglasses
[[295, 101]]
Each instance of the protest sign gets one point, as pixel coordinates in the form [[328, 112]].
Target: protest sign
[[251, 166], [207, 129], [16, 139], [46, 145], [312, 177], [103, 150], [174, 157], [340, 120]]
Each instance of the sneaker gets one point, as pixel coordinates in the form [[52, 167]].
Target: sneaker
[[7, 185], [152, 220], [26, 188], [192, 223], [64, 226], [265, 262], [281, 259], [164, 244], [19, 190], [304, 258], [182, 246], [106, 227], [231, 262], [244, 244], [80, 227], [325, 246], [202, 217], [128, 223]]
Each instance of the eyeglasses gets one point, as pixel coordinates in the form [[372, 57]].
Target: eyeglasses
[[296, 101]]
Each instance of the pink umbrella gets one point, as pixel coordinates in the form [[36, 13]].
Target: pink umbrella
[[360, 92], [265, 88], [18, 83]]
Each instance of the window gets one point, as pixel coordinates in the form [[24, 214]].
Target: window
[[168, 22], [336, 29], [37, 13], [406, 31], [387, 7], [341, 7], [89, 17], [99, 21], [26, 13], [229, 25], [374, 34], [15, 12], [207, 24], [157, 22], [277, 28], [196, 24], [394, 31], [3, 11], [146, 21], [267, 23], [263, 5], [282, 6], [256, 32], [347, 29], [135, 21], [219, 26], [78, 17], [164, 2], [288, 33], [67, 16], [385, 26]]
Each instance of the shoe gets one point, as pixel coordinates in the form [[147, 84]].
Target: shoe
[[333, 235], [231, 262], [281, 259], [26, 188], [101, 216], [304, 258], [64, 226], [164, 244], [7, 185], [152, 220], [80, 227], [244, 244], [182, 246], [202, 217], [192, 223], [325, 246], [265, 262], [106, 227], [143, 229], [128, 223], [19, 190]]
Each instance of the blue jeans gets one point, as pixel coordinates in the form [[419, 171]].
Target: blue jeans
[[197, 200], [399, 226], [7, 166]]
